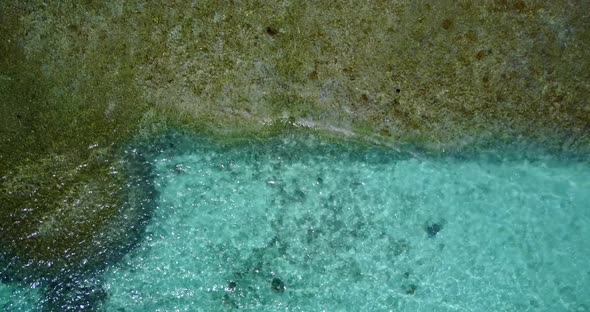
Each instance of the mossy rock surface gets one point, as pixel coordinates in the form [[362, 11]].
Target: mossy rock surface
[[54, 226], [73, 199], [443, 74]]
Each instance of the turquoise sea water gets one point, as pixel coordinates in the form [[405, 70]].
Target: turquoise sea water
[[298, 223]]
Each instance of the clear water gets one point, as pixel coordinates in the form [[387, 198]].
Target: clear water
[[301, 224], [13, 298]]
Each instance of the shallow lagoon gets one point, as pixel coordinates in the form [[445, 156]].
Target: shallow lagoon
[[299, 223]]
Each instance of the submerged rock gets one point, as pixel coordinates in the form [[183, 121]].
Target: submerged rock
[[410, 289], [277, 285], [432, 229], [231, 286], [179, 168], [65, 237], [76, 294]]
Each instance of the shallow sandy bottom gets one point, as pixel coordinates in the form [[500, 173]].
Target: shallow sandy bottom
[[300, 224]]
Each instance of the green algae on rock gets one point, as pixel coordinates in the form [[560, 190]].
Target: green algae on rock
[[55, 243], [72, 201], [441, 73]]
